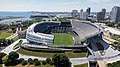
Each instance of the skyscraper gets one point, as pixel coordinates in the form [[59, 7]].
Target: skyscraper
[[115, 14], [88, 10], [101, 15], [81, 14], [104, 12]]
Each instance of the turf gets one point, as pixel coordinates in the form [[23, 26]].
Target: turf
[[82, 65], [47, 54], [5, 58], [63, 39], [5, 34]]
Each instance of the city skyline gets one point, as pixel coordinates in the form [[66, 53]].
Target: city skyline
[[57, 6]]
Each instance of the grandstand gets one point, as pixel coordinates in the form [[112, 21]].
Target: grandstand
[[42, 33]]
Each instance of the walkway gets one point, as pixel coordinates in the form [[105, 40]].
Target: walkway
[[9, 48], [113, 30], [12, 36]]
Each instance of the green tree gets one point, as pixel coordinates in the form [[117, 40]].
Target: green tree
[[61, 60], [1, 56], [20, 60], [13, 56], [44, 62], [5, 43], [37, 63], [9, 42], [29, 60], [24, 62], [48, 60], [35, 59]]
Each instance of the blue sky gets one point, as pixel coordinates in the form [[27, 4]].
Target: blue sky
[[56, 5]]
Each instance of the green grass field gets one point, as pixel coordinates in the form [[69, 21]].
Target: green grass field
[[5, 58], [0, 65], [63, 39], [28, 65], [82, 65], [5, 34], [46, 54]]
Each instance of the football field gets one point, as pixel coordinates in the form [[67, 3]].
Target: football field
[[63, 39]]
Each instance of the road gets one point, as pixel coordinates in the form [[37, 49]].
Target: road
[[113, 30]]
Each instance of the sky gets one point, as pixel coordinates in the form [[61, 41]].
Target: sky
[[57, 5]]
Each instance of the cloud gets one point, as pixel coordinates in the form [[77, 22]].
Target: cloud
[[99, 1], [70, 3]]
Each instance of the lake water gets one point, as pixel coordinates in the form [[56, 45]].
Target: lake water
[[24, 14]]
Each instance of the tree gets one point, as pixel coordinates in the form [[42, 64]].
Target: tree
[[1, 56], [24, 62], [35, 59], [20, 60], [51, 62], [37, 63], [13, 56], [61, 60], [29, 60], [44, 62], [5, 43], [48, 60], [9, 41]]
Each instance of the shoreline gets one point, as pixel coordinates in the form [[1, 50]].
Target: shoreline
[[10, 17], [13, 20]]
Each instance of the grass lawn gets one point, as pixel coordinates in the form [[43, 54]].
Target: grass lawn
[[63, 39], [47, 65], [45, 54], [82, 65], [28, 65], [5, 34], [5, 58], [15, 39], [0, 65]]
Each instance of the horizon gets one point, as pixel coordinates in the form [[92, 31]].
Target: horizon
[[56, 6]]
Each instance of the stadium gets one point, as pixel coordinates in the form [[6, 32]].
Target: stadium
[[60, 35]]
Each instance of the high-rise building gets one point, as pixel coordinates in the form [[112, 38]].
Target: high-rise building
[[100, 16], [88, 10], [104, 12], [85, 16], [115, 14], [75, 13], [81, 14]]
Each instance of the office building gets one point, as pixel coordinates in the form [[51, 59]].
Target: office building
[[104, 13], [88, 10], [81, 14], [100, 16], [115, 14]]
